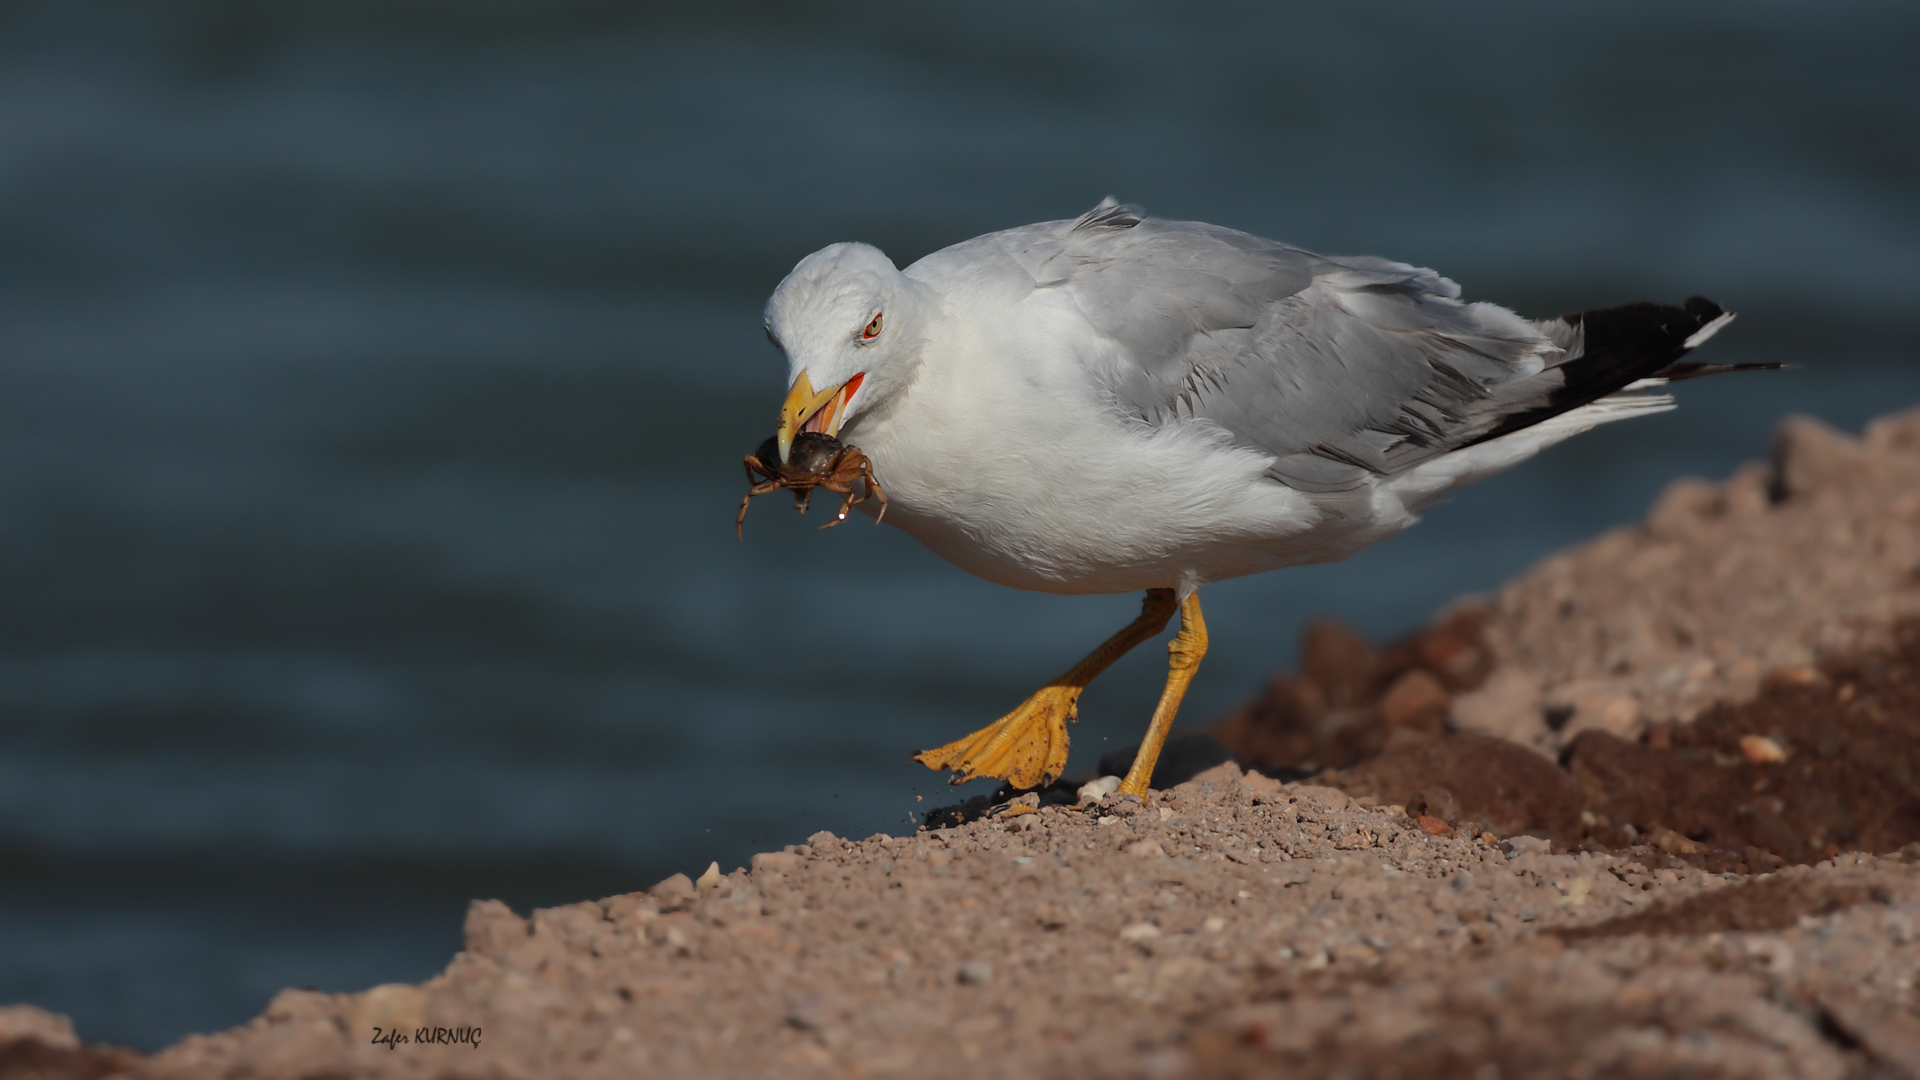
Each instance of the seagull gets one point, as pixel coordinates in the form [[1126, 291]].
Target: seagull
[[1117, 402]]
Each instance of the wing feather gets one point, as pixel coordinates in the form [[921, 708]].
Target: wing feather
[[1340, 368]]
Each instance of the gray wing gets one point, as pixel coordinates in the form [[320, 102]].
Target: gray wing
[[1338, 367]]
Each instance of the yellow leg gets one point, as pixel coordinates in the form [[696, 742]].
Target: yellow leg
[[1184, 653], [1028, 746]]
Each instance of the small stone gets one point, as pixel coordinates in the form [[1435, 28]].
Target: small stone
[[1260, 783], [1357, 840], [822, 841], [775, 862], [1094, 791], [1761, 750], [394, 1005], [1440, 802], [1138, 932], [1416, 700], [1673, 843], [1453, 651], [1462, 881], [1433, 826], [1339, 661], [711, 879], [492, 928], [1801, 675], [629, 908], [26, 1022], [1214, 925], [294, 1005], [1527, 845], [1592, 704], [672, 890], [1145, 849], [976, 972]]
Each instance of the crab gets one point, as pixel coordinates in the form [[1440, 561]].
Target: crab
[[815, 460]]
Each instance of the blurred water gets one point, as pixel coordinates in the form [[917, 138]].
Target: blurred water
[[373, 381]]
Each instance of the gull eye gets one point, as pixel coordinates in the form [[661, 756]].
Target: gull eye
[[873, 329]]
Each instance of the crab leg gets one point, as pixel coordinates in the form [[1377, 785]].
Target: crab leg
[[740, 519]]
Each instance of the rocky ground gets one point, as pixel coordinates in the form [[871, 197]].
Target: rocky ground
[[1652, 810]]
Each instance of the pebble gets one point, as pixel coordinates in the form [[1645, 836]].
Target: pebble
[[1095, 790], [775, 862], [1527, 845], [710, 879], [672, 889], [1142, 931], [1415, 700], [27, 1022], [1145, 849], [1761, 750], [976, 972]]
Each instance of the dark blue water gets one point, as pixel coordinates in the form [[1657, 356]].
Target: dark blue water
[[374, 378]]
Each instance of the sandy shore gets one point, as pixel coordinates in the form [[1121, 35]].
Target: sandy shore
[[1654, 809]]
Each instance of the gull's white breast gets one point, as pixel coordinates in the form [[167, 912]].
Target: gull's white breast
[[1006, 458]]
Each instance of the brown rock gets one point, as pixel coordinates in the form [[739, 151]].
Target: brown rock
[[308, 1048], [1455, 649], [26, 1022], [1509, 787], [1808, 456], [776, 862], [1433, 826], [1761, 750], [673, 890], [1416, 700], [492, 928], [1672, 842], [1592, 705], [1506, 706], [1339, 661], [1257, 781], [300, 1005], [629, 908], [392, 1007]]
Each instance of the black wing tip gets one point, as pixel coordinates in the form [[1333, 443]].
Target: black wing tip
[[1697, 309], [1622, 345], [1703, 309]]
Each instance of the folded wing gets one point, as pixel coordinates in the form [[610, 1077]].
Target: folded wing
[[1339, 368]]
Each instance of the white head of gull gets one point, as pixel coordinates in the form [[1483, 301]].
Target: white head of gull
[[1117, 403]]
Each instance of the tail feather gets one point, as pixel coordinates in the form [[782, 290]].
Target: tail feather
[[1613, 349], [1677, 372]]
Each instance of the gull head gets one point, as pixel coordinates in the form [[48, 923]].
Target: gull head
[[851, 325]]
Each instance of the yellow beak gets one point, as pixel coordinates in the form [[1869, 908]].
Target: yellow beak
[[806, 410]]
